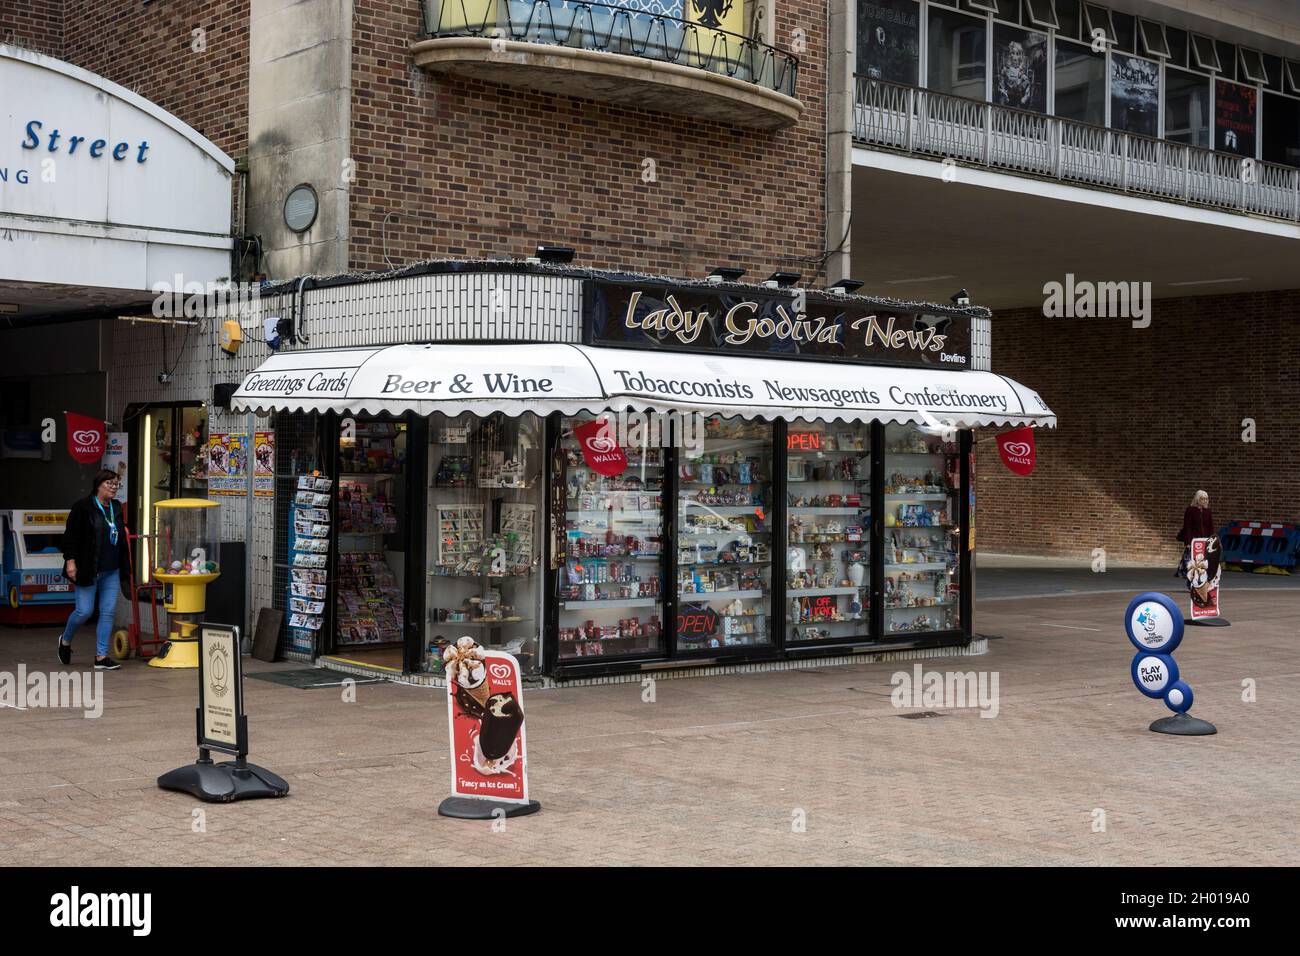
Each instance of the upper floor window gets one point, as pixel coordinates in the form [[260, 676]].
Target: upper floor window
[[956, 54], [1019, 68], [889, 40]]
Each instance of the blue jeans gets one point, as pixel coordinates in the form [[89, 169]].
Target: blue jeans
[[106, 585]]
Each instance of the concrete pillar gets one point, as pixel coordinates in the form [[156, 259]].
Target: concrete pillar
[[299, 120], [841, 55]]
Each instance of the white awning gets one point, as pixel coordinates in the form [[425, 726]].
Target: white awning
[[543, 378]]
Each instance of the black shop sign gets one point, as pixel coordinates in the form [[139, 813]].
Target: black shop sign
[[780, 323]]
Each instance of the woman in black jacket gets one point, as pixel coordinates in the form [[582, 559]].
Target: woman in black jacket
[[95, 560]]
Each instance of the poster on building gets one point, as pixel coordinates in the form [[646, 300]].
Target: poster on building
[[227, 464], [1134, 94], [485, 723], [1203, 572], [889, 40], [115, 460], [1019, 68], [1234, 118], [264, 464]]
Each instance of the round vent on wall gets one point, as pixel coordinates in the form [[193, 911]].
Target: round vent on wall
[[300, 208]]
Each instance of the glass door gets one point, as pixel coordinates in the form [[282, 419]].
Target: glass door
[[828, 531], [724, 538], [610, 585], [922, 534], [173, 463]]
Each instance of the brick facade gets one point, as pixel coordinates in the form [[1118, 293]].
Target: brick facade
[[33, 25], [466, 168], [151, 49], [1147, 417]]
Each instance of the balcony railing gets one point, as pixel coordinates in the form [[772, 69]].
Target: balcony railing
[[938, 124], [610, 28]]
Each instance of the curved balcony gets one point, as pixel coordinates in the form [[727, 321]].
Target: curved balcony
[[617, 54]]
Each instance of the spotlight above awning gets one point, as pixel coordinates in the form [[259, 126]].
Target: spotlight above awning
[[544, 378]]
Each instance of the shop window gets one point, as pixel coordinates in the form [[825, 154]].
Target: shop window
[[371, 523], [1178, 41], [1227, 55], [922, 532], [1235, 118], [724, 537], [1204, 54], [1040, 13], [1125, 31], [1281, 130], [1019, 68], [1070, 18], [1187, 108], [1272, 72], [828, 531], [956, 54], [1154, 41], [1080, 84], [1291, 73], [610, 577], [889, 40], [485, 528], [1252, 66], [1134, 95], [1099, 24]]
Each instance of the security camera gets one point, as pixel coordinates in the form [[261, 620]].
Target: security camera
[[164, 378]]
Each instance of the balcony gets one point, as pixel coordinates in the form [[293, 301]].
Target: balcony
[[616, 54], [922, 122]]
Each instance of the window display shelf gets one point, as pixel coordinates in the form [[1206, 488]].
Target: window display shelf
[[612, 602], [913, 496], [645, 514], [918, 566], [718, 595], [914, 607], [827, 511], [502, 623], [820, 592], [719, 509], [719, 564]]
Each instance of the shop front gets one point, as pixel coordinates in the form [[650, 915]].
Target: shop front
[[717, 473]]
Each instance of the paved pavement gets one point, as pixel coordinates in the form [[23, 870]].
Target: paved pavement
[[717, 770]]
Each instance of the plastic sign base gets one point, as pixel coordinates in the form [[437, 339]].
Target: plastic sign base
[[1210, 622], [224, 782], [1183, 725], [471, 808]]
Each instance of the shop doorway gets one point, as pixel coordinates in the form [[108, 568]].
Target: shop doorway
[[172, 462], [372, 521]]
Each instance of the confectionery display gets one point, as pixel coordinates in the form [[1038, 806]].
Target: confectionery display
[[724, 541], [828, 531], [922, 539], [610, 599]]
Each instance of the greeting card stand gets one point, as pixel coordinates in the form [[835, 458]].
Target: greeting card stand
[[1183, 725], [474, 808]]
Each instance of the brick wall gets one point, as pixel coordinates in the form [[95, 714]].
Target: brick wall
[[33, 24], [1148, 416], [470, 168], [149, 48]]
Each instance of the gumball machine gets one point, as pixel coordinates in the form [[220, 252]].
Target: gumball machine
[[187, 558]]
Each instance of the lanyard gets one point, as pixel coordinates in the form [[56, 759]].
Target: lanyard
[[112, 527]]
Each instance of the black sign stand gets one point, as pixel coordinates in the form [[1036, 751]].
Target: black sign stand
[[236, 779]]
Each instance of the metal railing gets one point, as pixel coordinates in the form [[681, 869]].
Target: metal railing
[[610, 28], [938, 124]]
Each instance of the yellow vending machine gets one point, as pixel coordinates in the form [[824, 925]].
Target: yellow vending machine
[[187, 558]]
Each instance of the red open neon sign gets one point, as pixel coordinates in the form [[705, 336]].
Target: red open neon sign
[[804, 441]]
